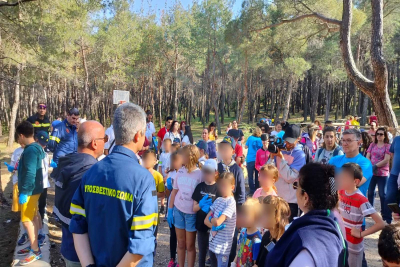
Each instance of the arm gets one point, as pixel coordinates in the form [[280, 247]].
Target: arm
[[379, 225], [286, 172], [303, 259], [368, 156], [207, 220], [384, 161], [240, 190], [160, 194], [82, 247], [172, 199], [218, 221], [129, 260], [196, 206], [27, 181], [54, 139]]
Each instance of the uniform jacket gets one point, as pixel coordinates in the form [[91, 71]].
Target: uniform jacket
[[38, 124], [63, 140]]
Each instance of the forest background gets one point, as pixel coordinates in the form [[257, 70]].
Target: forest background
[[201, 62]]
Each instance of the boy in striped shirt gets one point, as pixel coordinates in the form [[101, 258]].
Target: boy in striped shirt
[[353, 207]]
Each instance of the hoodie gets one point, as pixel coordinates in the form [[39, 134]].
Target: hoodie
[[30, 172], [68, 175], [317, 232]]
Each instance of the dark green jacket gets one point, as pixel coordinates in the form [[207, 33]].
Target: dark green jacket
[[30, 171]]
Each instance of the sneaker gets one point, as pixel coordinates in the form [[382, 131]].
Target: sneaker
[[32, 257], [41, 240], [162, 210], [208, 262], [24, 251], [23, 240], [172, 263]]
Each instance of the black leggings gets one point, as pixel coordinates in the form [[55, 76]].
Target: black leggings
[[173, 242], [202, 241], [42, 203]]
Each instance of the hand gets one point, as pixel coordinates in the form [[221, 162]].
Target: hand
[[206, 208], [217, 228], [170, 217], [169, 184], [279, 154], [23, 198], [374, 168], [9, 167], [356, 232], [396, 217], [53, 164], [205, 201]]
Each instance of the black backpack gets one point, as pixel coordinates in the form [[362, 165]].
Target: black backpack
[[308, 153]]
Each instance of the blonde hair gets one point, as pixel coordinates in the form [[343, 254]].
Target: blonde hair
[[254, 205], [271, 169], [227, 176], [257, 132], [282, 214], [193, 153], [312, 131]]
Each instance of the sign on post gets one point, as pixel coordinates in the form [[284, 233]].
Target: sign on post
[[120, 97]]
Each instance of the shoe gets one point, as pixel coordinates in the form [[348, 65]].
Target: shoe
[[208, 262], [24, 251], [32, 257], [162, 210], [172, 263], [41, 240], [23, 240]]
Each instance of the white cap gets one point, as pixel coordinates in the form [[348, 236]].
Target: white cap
[[210, 164]]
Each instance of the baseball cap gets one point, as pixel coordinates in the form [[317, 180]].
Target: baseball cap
[[211, 165], [234, 133], [229, 140], [264, 137], [292, 133], [43, 138], [202, 145]]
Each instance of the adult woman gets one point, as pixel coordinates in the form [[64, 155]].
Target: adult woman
[[378, 153], [187, 137], [212, 132], [348, 122], [182, 128], [310, 138], [372, 129], [330, 148], [253, 144], [318, 123], [229, 127], [314, 239], [173, 133], [366, 142]]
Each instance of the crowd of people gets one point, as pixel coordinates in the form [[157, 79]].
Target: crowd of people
[[309, 191]]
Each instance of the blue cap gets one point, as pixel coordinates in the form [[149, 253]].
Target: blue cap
[[43, 138], [202, 145], [229, 140]]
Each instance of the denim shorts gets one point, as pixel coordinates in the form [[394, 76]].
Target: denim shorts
[[184, 221]]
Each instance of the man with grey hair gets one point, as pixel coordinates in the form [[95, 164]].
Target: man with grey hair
[[351, 141], [114, 211], [68, 176]]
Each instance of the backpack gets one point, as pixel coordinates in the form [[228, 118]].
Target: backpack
[[307, 152], [335, 152]]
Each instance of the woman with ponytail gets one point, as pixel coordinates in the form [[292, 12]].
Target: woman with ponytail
[[315, 238]]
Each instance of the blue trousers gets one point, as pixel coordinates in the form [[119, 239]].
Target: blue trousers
[[253, 176], [381, 181], [391, 192]]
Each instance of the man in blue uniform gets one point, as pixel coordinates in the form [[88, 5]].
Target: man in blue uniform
[[114, 210], [64, 138], [39, 120]]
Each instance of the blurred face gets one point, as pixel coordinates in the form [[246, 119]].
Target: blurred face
[[42, 108], [346, 181], [234, 124], [373, 125], [204, 135], [208, 175], [176, 127], [225, 151], [278, 128], [290, 146], [183, 126], [185, 157], [149, 117], [350, 143], [212, 129], [167, 145], [225, 188], [247, 217], [149, 161], [329, 139], [265, 143], [266, 179], [73, 119], [267, 218], [380, 136], [177, 163], [168, 123]]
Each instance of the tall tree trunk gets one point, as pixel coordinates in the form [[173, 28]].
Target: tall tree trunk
[[287, 99], [14, 108]]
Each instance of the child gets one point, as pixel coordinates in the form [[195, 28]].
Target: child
[[204, 195], [176, 164], [238, 148], [163, 166], [222, 221], [12, 167], [250, 237], [274, 217], [262, 154], [354, 206], [149, 161], [389, 245], [268, 175], [202, 146], [180, 211], [30, 186], [175, 147]]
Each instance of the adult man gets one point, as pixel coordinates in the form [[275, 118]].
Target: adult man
[[211, 145], [161, 133], [72, 167], [39, 120], [235, 126], [63, 139], [150, 129], [114, 210], [392, 186], [289, 162]]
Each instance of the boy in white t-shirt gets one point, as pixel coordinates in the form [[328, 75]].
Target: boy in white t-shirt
[[164, 164]]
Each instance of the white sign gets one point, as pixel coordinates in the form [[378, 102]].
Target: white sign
[[120, 97]]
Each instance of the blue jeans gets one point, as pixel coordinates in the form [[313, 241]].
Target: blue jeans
[[219, 260], [391, 192], [381, 181], [253, 180]]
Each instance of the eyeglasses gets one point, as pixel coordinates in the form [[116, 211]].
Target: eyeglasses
[[296, 185], [380, 134], [348, 141], [105, 139], [42, 107]]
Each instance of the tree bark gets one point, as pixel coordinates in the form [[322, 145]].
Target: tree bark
[[14, 109]]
